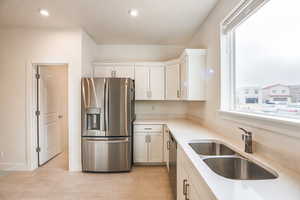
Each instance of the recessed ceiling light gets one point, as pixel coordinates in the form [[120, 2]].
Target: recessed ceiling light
[[133, 12], [44, 12]]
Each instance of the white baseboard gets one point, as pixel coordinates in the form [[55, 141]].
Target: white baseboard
[[6, 166]]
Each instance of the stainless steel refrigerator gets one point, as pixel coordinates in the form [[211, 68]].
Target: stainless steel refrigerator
[[107, 116]]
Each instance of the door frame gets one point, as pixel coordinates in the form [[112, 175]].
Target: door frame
[[31, 107]]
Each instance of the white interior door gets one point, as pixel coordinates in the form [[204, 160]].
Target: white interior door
[[49, 105]]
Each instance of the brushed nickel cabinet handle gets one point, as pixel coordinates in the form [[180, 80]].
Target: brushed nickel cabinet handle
[[184, 187], [186, 190]]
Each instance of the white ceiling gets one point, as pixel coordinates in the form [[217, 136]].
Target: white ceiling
[[164, 22]]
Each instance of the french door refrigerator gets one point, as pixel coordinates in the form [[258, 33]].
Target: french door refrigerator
[[107, 115]]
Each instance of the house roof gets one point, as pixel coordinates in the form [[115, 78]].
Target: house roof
[[274, 85]]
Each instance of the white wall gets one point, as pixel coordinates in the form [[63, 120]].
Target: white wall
[[19, 47], [273, 146], [134, 53], [89, 49], [160, 109]]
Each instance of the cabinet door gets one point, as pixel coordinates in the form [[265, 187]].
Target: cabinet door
[[156, 147], [172, 82], [140, 147], [183, 78], [182, 180], [141, 83], [103, 71], [126, 71], [166, 146], [157, 83], [193, 193]]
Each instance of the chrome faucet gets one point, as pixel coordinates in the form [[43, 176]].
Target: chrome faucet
[[247, 138]]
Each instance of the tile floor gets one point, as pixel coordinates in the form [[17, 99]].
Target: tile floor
[[54, 182]]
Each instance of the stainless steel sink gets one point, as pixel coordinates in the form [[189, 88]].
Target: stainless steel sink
[[238, 168], [211, 148]]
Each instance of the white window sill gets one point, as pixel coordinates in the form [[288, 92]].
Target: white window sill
[[290, 127]]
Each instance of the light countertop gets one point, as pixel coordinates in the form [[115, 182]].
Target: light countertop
[[286, 186]]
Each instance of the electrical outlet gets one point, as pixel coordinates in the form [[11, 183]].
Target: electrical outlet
[[1, 154]]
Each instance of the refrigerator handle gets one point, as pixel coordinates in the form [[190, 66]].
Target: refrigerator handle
[[83, 92], [126, 107], [106, 104]]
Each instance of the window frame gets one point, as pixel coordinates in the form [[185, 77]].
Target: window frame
[[228, 111]]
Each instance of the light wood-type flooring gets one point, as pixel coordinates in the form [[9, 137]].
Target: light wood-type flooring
[[54, 182]]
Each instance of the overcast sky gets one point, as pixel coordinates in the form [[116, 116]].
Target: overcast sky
[[268, 45]]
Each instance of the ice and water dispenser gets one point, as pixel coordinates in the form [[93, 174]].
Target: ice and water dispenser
[[93, 119]]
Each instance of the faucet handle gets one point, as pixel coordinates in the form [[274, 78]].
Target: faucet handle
[[248, 133]]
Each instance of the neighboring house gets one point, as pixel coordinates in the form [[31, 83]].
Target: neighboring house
[[249, 95], [295, 93], [276, 94]]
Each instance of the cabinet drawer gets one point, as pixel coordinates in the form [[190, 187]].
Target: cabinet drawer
[[148, 128]]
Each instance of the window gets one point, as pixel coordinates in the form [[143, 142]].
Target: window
[[260, 49]]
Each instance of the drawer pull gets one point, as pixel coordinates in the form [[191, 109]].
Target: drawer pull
[[148, 128]]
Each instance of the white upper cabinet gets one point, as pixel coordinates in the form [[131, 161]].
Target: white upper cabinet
[[149, 82], [125, 71], [181, 79], [172, 81], [103, 71], [157, 83], [193, 75], [141, 83], [117, 70]]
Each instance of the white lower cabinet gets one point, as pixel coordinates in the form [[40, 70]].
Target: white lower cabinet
[[190, 184], [182, 181], [140, 147], [166, 146], [155, 147], [148, 144]]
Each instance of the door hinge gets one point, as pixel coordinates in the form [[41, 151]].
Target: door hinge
[[37, 113], [37, 76], [38, 149]]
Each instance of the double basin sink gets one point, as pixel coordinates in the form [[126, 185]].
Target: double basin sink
[[228, 163]]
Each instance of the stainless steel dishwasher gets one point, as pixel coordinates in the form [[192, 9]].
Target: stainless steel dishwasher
[[173, 164]]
